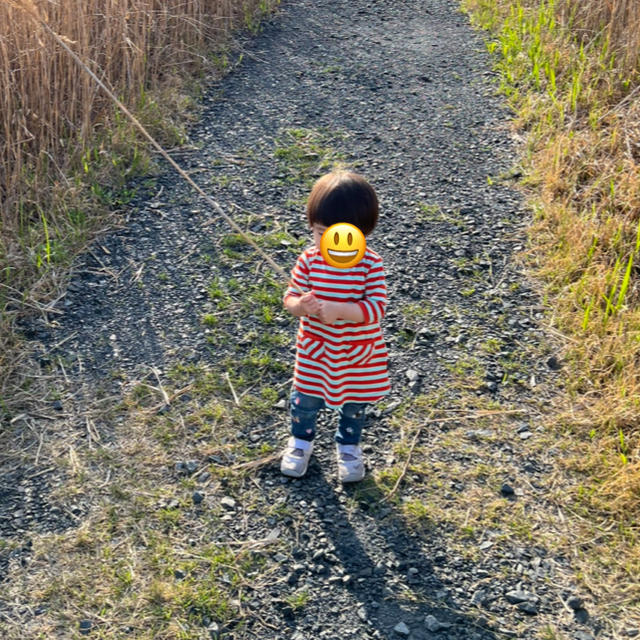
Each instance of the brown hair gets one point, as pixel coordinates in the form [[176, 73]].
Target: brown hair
[[342, 196]]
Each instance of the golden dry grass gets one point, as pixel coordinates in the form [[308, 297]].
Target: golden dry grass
[[65, 154], [571, 70]]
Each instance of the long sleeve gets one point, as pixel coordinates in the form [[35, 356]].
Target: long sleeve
[[300, 276], [374, 302]]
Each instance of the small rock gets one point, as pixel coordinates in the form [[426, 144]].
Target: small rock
[[402, 629], [581, 616], [292, 579], [57, 405], [631, 633], [197, 497], [362, 614], [553, 363], [379, 569], [281, 404], [528, 607], [347, 579], [85, 627], [583, 635], [298, 635], [203, 477], [517, 596], [191, 466], [228, 503], [487, 544], [507, 490], [575, 602], [392, 406], [433, 624], [413, 375], [165, 408], [479, 597], [214, 631]]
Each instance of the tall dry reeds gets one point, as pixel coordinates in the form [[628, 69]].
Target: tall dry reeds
[[618, 21], [571, 70], [62, 145]]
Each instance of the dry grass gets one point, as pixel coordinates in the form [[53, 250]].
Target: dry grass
[[65, 155], [571, 70]]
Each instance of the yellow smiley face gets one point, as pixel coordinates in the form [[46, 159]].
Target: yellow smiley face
[[343, 245]]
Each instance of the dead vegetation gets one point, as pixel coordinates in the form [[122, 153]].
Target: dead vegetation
[[571, 70], [66, 157]]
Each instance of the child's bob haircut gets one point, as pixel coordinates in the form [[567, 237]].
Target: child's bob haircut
[[342, 196]]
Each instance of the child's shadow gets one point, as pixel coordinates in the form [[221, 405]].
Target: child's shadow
[[388, 572]]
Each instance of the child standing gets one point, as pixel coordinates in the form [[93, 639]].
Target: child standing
[[341, 358]]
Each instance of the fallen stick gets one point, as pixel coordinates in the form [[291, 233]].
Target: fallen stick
[[235, 397], [254, 464]]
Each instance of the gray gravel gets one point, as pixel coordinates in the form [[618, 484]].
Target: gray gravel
[[404, 90]]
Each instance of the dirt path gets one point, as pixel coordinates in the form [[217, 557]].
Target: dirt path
[[457, 519]]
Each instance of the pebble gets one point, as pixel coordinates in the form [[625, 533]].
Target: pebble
[[575, 602], [402, 629], [553, 363], [197, 497], [362, 614], [583, 635], [517, 596], [507, 489], [192, 466], [632, 633], [379, 569], [85, 627], [57, 405], [203, 477], [581, 616], [228, 503], [433, 624], [413, 375], [528, 607]]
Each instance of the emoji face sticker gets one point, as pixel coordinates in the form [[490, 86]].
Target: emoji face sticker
[[343, 245]]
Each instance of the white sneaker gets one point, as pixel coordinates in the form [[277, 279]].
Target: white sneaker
[[350, 463], [295, 458]]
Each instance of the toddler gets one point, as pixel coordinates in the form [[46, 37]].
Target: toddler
[[341, 357]]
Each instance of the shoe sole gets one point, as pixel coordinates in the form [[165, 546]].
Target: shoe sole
[[352, 478], [292, 474]]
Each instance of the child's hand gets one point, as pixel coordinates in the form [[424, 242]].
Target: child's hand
[[310, 304], [328, 312]]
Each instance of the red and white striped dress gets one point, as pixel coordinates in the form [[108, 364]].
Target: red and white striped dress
[[345, 361]]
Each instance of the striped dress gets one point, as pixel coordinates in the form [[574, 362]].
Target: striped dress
[[346, 361]]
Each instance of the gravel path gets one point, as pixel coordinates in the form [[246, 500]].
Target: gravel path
[[402, 91]]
